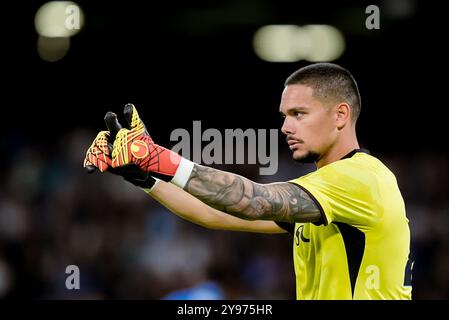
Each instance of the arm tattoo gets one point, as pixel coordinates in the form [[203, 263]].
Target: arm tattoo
[[246, 199]]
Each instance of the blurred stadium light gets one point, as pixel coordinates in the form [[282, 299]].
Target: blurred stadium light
[[52, 49], [55, 22], [290, 43], [59, 19]]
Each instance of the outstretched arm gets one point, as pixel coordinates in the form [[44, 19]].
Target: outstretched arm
[[249, 200], [192, 209], [172, 197], [224, 191]]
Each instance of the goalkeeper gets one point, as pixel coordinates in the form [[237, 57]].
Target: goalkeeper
[[350, 232]]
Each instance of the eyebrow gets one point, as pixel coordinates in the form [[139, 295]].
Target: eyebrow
[[297, 108]]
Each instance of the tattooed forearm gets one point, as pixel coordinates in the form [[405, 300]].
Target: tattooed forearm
[[246, 199]]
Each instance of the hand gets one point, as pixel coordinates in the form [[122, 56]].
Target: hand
[[135, 146], [98, 156]]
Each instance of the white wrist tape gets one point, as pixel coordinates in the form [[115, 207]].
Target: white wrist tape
[[183, 173]]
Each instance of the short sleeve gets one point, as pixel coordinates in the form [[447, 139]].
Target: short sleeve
[[344, 194]]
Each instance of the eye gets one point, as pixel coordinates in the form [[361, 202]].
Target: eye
[[298, 114]]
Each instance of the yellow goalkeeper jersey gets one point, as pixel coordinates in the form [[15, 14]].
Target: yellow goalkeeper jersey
[[362, 249]]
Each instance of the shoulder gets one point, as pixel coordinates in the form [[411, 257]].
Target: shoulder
[[360, 164], [358, 171]]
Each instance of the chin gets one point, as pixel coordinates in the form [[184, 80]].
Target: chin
[[305, 157]]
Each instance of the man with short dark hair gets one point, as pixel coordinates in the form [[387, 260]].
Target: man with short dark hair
[[350, 230]]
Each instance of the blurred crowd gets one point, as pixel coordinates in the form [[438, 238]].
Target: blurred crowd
[[127, 246]]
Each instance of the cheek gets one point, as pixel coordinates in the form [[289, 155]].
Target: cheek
[[321, 129], [311, 126], [324, 123]]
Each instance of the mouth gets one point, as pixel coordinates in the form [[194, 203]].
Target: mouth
[[293, 147], [293, 143]]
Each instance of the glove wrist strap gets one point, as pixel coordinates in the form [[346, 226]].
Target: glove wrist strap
[[183, 173]]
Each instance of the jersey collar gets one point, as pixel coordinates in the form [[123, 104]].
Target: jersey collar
[[353, 152]]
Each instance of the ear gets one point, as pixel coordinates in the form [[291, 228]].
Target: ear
[[343, 114]]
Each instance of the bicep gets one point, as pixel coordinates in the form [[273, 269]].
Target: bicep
[[286, 202], [194, 210]]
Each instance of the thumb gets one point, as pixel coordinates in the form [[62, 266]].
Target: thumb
[[113, 126], [132, 117]]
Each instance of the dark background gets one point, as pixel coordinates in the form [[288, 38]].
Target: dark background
[[196, 59], [184, 61]]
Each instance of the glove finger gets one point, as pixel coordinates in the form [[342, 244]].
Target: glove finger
[[92, 159], [98, 160], [97, 154], [120, 153], [90, 163], [112, 124], [101, 142], [132, 118], [89, 167], [103, 162]]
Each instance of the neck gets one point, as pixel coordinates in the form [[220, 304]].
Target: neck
[[338, 151]]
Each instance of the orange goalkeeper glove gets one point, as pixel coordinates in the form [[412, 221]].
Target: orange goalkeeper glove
[[98, 156], [135, 146]]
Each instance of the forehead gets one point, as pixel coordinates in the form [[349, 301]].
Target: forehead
[[297, 95]]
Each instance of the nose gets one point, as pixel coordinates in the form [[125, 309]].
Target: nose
[[286, 127]]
